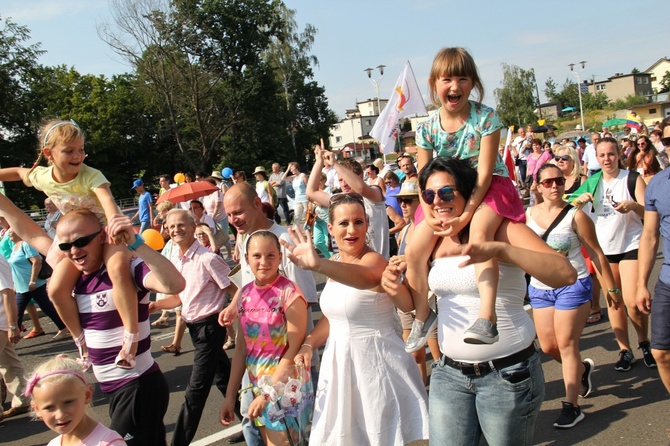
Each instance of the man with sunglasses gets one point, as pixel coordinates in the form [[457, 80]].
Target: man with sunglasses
[[138, 397], [657, 221]]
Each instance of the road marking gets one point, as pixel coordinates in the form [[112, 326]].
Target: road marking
[[227, 432]]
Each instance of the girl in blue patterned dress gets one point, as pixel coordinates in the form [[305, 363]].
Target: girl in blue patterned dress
[[469, 130]]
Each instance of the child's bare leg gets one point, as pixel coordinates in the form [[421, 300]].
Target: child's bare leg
[[124, 294], [417, 255], [60, 287], [485, 223]]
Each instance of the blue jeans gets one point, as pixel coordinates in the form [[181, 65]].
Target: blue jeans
[[463, 407], [144, 226]]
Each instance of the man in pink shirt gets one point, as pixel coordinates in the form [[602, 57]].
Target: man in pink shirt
[[203, 298]]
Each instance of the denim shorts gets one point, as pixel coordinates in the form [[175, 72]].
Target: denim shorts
[[660, 317], [564, 298], [502, 405]]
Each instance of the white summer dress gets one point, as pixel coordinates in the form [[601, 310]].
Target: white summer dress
[[370, 391]]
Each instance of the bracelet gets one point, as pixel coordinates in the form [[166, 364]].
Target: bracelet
[[139, 241], [32, 283], [614, 291], [308, 345]]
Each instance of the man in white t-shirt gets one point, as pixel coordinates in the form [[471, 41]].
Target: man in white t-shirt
[[589, 159]]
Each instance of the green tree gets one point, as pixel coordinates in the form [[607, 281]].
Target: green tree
[[550, 90], [516, 98], [307, 115], [665, 83]]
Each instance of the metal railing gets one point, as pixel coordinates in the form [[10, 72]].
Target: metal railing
[[39, 215]]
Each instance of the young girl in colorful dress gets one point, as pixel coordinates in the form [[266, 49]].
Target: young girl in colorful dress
[[273, 324], [71, 185], [469, 130], [60, 397]]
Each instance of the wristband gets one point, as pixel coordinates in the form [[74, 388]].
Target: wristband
[[137, 243], [32, 283], [308, 345], [614, 291]]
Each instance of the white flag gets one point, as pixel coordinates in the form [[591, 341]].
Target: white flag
[[405, 100]]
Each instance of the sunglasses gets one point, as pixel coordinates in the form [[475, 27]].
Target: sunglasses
[[405, 200], [666, 141], [560, 181], [446, 193], [388, 182], [78, 243], [562, 158], [336, 198]]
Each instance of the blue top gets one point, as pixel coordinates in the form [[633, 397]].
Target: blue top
[[464, 143], [657, 199], [300, 189], [143, 206], [391, 200], [22, 267]]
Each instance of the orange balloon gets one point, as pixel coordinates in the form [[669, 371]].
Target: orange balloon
[[153, 239], [179, 178]]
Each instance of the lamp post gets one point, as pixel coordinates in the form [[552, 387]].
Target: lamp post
[[375, 82], [579, 89]]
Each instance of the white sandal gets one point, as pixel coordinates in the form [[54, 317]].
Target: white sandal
[[84, 361], [126, 360]]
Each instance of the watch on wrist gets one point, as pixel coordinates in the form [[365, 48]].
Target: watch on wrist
[[137, 243], [12, 327]]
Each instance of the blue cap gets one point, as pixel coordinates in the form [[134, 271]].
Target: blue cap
[[138, 183]]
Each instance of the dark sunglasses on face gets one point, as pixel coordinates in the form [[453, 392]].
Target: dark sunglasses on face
[[78, 243], [562, 158], [547, 182], [446, 193], [405, 200], [665, 141]]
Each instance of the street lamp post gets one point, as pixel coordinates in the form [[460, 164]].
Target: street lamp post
[[375, 82], [579, 89]]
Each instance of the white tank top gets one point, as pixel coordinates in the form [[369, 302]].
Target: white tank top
[[617, 233], [562, 239]]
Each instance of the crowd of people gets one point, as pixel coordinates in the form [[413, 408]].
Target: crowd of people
[[443, 244]]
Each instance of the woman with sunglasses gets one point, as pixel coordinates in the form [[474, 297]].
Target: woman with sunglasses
[[616, 206], [494, 390], [560, 313], [643, 158], [567, 160], [370, 391]]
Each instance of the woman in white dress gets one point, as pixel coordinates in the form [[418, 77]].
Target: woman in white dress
[[370, 391]]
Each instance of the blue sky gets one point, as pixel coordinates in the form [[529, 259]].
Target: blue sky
[[613, 37]]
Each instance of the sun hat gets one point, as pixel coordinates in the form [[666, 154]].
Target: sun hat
[[216, 174], [409, 188], [259, 169]]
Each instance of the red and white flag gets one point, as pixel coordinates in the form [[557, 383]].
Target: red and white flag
[[405, 100]]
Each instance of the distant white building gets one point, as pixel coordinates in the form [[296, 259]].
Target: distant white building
[[354, 129], [356, 124]]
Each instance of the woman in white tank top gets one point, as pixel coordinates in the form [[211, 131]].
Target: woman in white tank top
[[494, 390]]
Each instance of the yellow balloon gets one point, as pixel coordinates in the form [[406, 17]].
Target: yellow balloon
[[153, 239], [179, 178]]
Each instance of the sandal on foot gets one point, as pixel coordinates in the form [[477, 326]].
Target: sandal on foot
[[83, 360], [594, 318], [160, 322], [125, 359], [171, 349]]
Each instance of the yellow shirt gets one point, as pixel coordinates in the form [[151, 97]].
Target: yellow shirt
[[76, 194]]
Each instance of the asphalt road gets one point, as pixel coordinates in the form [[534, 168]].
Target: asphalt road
[[631, 408]]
